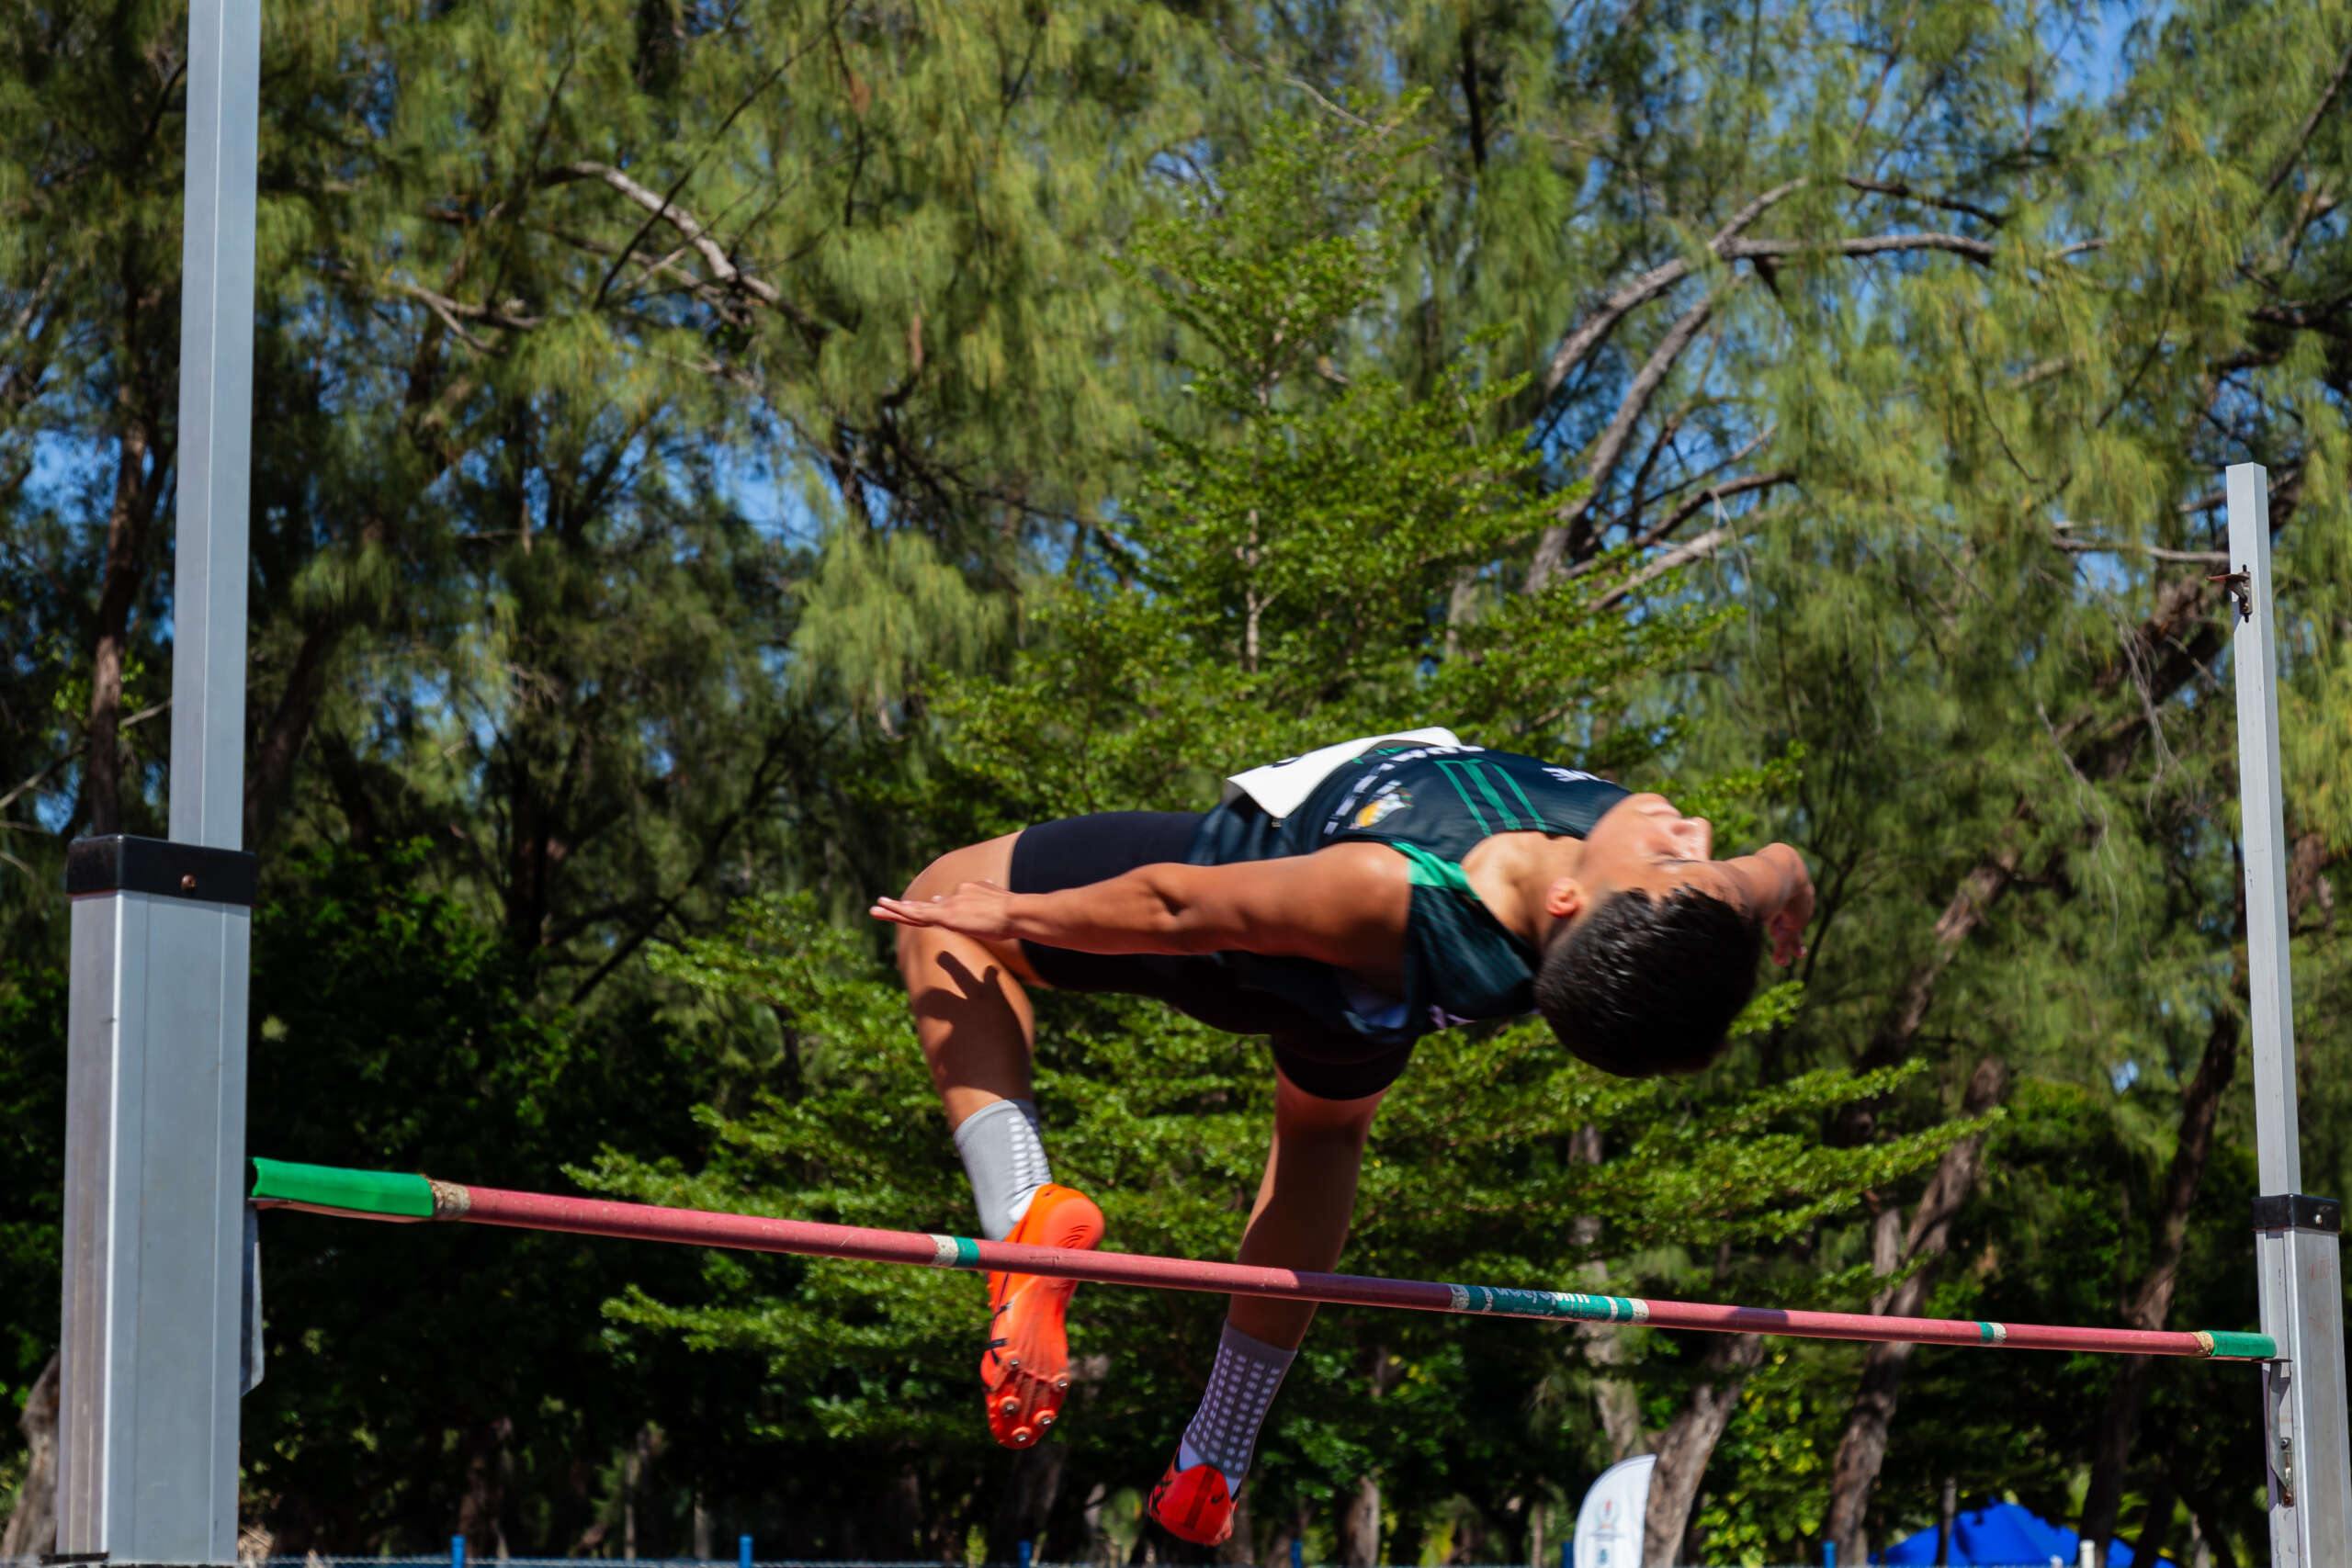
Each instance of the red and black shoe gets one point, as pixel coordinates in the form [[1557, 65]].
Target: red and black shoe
[[1195, 1505], [1026, 1371]]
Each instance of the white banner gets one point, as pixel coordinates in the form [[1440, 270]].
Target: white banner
[[1609, 1526]]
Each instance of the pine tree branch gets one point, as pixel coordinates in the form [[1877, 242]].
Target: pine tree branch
[[455, 311], [1978, 251], [1567, 539], [59, 760], [1554, 546], [1714, 494], [1595, 329], [1683, 555], [1905, 193], [2324, 320], [2093, 545], [779, 752], [2311, 123], [714, 255]]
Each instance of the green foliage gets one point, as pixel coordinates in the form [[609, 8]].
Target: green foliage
[[32, 1109], [392, 1031], [1310, 550], [1775, 1460]]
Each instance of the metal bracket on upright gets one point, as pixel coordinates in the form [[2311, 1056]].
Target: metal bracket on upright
[[2308, 1444]]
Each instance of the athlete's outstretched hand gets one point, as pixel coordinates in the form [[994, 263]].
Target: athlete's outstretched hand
[[976, 909], [1786, 924]]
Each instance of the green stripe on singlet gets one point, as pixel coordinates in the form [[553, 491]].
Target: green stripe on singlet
[[1477, 817], [1484, 781], [1480, 770], [1534, 818]]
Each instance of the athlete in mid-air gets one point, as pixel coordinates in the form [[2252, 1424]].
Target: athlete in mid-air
[[1344, 904]]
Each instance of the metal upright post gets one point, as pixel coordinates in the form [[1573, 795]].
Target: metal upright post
[[156, 1076], [2296, 1237]]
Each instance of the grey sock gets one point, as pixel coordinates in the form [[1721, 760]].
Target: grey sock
[[1241, 1390], [1006, 1161]]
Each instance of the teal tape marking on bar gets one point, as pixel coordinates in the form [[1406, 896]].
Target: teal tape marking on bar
[[954, 1252], [1595, 1309], [1547, 1303], [2223, 1345]]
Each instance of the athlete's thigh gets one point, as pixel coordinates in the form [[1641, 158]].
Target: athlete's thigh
[[922, 947], [1300, 1114]]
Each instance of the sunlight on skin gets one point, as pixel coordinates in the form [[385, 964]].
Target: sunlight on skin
[[1645, 844]]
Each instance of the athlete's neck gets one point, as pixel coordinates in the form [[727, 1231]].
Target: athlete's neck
[[1513, 873]]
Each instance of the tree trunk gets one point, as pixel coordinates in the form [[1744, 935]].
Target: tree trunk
[[1360, 1525], [1026, 1500], [1684, 1448], [893, 1532], [1861, 1451], [123, 577], [2204, 1514], [279, 745], [1613, 1398], [481, 1510], [2152, 1303], [1239, 1546], [32, 1523], [2155, 1525], [1963, 912]]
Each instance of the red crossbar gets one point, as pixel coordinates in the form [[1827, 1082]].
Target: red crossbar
[[593, 1216]]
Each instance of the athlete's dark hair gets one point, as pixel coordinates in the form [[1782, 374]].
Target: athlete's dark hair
[[1642, 987]]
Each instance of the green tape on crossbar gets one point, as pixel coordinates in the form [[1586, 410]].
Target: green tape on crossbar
[[331, 1187], [2230, 1347]]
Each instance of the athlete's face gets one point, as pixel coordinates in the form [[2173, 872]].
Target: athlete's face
[[1644, 843]]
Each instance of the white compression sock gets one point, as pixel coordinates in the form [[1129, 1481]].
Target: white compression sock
[[1241, 1390], [1005, 1160]]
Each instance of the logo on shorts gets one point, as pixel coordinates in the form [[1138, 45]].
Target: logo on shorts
[[1384, 806]]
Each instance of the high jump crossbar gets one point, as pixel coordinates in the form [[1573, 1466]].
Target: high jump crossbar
[[387, 1195]]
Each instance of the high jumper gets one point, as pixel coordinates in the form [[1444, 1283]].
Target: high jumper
[[1343, 904]]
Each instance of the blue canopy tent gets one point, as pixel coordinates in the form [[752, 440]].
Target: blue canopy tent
[[2008, 1535]]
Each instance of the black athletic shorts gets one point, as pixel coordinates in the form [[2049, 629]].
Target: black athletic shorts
[[1330, 1064]]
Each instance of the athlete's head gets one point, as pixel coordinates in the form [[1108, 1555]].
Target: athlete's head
[[1654, 952]]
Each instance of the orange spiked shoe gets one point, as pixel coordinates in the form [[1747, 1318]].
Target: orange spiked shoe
[[1025, 1369]]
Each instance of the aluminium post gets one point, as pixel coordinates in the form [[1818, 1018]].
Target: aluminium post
[[2306, 1441], [156, 1074]]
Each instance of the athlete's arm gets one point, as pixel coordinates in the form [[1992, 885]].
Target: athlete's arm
[[1347, 906]]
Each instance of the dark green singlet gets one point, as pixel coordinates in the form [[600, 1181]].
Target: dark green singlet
[[1433, 805]]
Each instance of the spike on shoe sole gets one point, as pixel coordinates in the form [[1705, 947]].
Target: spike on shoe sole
[[1025, 1369]]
